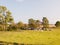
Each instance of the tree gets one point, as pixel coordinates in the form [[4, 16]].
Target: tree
[[12, 27], [8, 18], [31, 23], [57, 24], [25, 27], [20, 25], [1, 19], [34, 24], [37, 24], [5, 17], [45, 23]]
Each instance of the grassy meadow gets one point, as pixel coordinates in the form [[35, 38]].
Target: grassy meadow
[[36, 37]]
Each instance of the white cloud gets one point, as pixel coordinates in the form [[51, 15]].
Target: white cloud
[[19, 0]]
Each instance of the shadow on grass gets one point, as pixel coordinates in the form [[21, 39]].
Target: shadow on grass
[[10, 43]]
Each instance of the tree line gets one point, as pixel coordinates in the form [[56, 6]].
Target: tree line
[[7, 22]]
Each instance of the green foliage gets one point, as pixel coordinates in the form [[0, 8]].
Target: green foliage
[[12, 27], [57, 24], [6, 20], [20, 25], [34, 24], [25, 27], [37, 23], [31, 23], [8, 17], [5, 17], [3, 9], [45, 22]]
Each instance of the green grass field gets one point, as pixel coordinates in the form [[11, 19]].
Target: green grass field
[[32, 37]]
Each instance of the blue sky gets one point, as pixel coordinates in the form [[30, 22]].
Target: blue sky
[[22, 10]]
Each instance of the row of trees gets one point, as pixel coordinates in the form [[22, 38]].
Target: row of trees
[[32, 25], [7, 22]]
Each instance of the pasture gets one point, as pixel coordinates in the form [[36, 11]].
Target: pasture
[[36, 37]]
